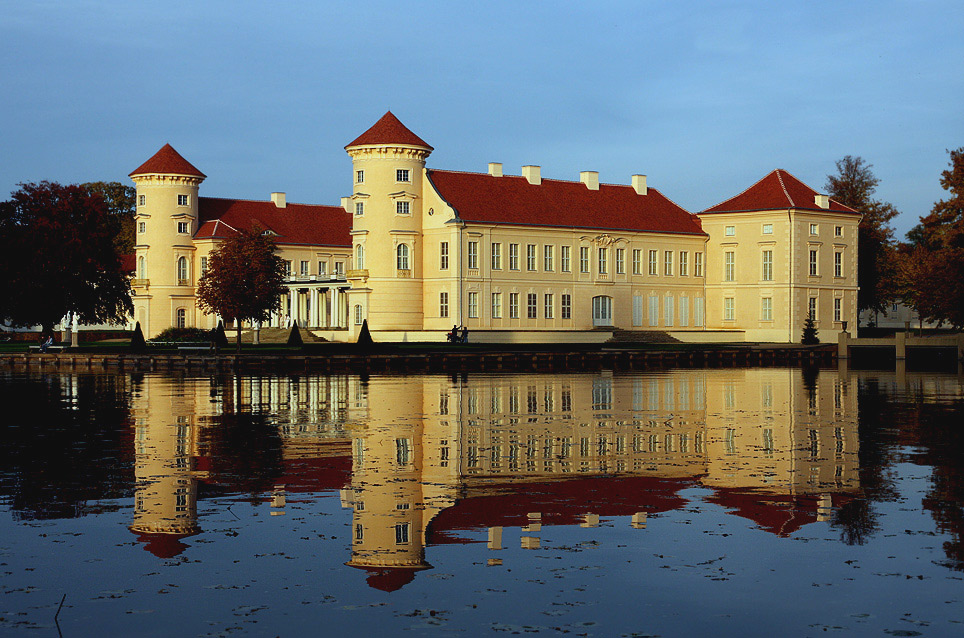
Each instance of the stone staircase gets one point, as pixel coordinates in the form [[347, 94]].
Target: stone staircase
[[274, 336], [641, 336]]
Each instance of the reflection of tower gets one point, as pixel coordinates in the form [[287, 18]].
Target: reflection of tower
[[165, 447], [388, 532]]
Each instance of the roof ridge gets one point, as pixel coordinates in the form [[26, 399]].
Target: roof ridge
[[742, 192], [267, 201], [544, 179], [783, 186]]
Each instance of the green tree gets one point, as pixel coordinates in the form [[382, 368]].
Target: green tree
[[854, 186], [932, 267], [57, 255], [244, 279], [121, 208]]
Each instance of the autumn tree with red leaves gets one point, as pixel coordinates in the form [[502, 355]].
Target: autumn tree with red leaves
[[244, 280], [58, 255]]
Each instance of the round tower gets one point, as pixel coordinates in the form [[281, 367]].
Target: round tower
[[166, 220], [388, 166]]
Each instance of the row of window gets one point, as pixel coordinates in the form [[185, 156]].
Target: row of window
[[766, 269], [402, 175], [183, 228], [514, 305], [182, 200], [674, 263], [304, 267], [837, 308], [730, 231]]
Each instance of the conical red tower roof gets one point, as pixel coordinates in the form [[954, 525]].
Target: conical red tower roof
[[389, 130], [167, 161]]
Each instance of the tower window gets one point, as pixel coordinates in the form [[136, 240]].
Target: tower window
[[181, 320], [359, 177], [142, 227], [182, 200], [141, 200], [182, 272], [402, 175], [402, 208], [182, 228], [359, 208], [401, 254]]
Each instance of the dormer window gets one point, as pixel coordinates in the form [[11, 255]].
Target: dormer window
[[402, 175], [269, 233], [182, 200]]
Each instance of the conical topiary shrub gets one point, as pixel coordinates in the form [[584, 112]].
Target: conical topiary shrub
[[809, 332], [218, 337], [365, 337], [137, 339], [294, 339]]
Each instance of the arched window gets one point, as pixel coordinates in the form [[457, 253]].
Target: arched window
[[358, 314], [402, 256], [141, 268], [360, 257], [181, 321], [182, 269]]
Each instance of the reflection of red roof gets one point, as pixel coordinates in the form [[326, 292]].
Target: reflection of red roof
[[560, 503], [389, 579], [299, 224], [167, 161], [163, 545], [389, 130], [780, 514], [778, 190], [128, 263], [316, 474], [480, 197]]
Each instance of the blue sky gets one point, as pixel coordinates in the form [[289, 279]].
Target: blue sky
[[704, 98]]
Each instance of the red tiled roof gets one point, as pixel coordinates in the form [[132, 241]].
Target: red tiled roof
[[389, 130], [298, 224], [778, 190], [167, 161], [479, 197]]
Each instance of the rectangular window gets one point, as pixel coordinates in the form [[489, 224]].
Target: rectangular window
[[530, 256], [547, 258], [340, 267], [729, 309], [473, 305], [142, 227], [287, 267], [767, 274], [697, 264], [359, 177], [653, 313], [496, 256], [359, 208], [443, 255], [698, 311], [322, 267], [304, 268], [496, 305], [513, 256], [402, 208], [812, 308], [473, 255], [204, 265], [730, 231], [729, 266], [813, 229], [684, 312], [182, 227], [654, 262], [531, 305], [549, 306], [402, 175], [584, 259], [684, 263], [668, 263], [620, 261], [402, 533], [637, 261], [182, 200], [838, 309], [838, 231], [767, 229], [603, 256], [813, 263], [565, 310], [513, 305], [564, 264], [838, 264], [766, 309], [443, 305], [668, 307], [141, 200]]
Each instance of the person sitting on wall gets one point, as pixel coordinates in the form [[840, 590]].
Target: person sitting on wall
[[452, 336], [46, 342], [465, 335]]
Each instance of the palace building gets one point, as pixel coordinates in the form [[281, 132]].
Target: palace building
[[515, 258]]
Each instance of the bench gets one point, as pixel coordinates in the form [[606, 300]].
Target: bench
[[49, 348], [195, 347]]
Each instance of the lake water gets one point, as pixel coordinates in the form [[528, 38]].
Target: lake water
[[744, 502]]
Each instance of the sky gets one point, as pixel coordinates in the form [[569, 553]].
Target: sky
[[704, 98]]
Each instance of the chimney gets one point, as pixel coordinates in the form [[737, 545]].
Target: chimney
[[533, 174], [495, 169], [344, 204], [590, 179], [639, 184], [279, 200], [822, 201]]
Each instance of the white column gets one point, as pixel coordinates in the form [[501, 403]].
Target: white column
[[292, 306], [313, 307], [335, 302]]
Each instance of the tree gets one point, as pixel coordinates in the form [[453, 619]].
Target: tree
[[809, 336], [244, 279], [57, 255], [121, 208], [854, 186], [932, 267]]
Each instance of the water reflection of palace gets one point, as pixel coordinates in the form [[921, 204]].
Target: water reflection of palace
[[422, 460]]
